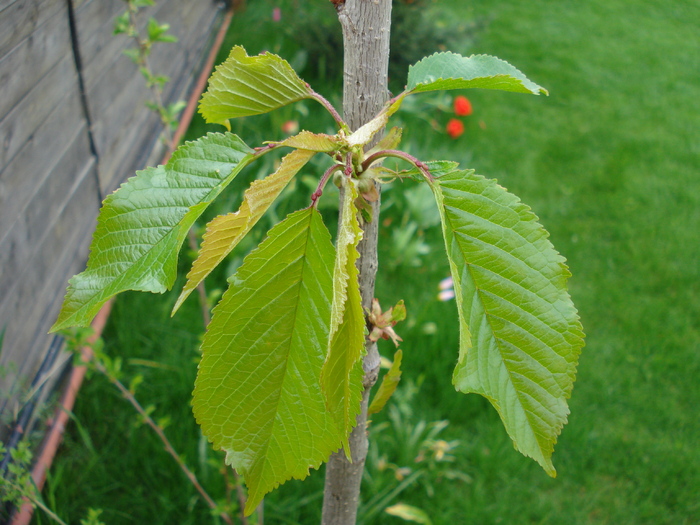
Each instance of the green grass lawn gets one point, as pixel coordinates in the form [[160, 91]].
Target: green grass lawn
[[609, 162]]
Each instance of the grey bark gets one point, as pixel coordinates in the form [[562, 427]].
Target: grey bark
[[366, 25]]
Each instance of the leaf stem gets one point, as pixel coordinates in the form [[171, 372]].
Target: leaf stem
[[263, 150], [348, 165], [392, 101], [322, 183], [422, 167], [329, 107]]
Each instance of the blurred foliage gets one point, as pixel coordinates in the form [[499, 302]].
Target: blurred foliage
[[407, 452], [309, 36]]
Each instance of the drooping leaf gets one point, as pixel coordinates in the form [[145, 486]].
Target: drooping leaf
[[520, 336], [141, 226], [243, 86], [388, 385], [257, 394], [313, 141], [226, 231], [452, 71], [341, 377]]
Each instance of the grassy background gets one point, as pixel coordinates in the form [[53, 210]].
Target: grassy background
[[609, 161]]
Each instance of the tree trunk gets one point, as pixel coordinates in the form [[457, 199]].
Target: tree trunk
[[366, 25]]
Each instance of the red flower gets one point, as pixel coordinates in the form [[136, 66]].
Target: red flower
[[290, 127], [454, 128], [462, 106]]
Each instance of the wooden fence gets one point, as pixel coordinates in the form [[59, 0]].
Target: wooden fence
[[73, 126]]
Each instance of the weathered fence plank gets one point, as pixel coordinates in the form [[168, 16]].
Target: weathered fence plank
[[21, 18], [42, 49], [20, 179], [21, 241]]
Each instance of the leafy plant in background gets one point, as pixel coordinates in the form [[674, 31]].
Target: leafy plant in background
[[406, 453], [17, 486], [281, 377], [127, 24]]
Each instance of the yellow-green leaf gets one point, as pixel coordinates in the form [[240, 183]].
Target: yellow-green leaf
[[520, 336], [341, 377], [313, 141], [243, 86], [389, 141], [226, 231], [364, 134], [388, 385], [257, 395]]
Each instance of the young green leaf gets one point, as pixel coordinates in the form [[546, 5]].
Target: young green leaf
[[159, 32], [142, 225], [453, 71], [520, 336], [313, 141], [365, 133], [388, 385], [133, 55], [257, 394], [341, 377], [391, 140], [226, 231], [122, 24], [243, 86]]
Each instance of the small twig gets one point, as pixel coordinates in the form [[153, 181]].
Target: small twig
[[36, 501], [241, 497], [422, 167], [154, 87], [159, 431], [261, 512]]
